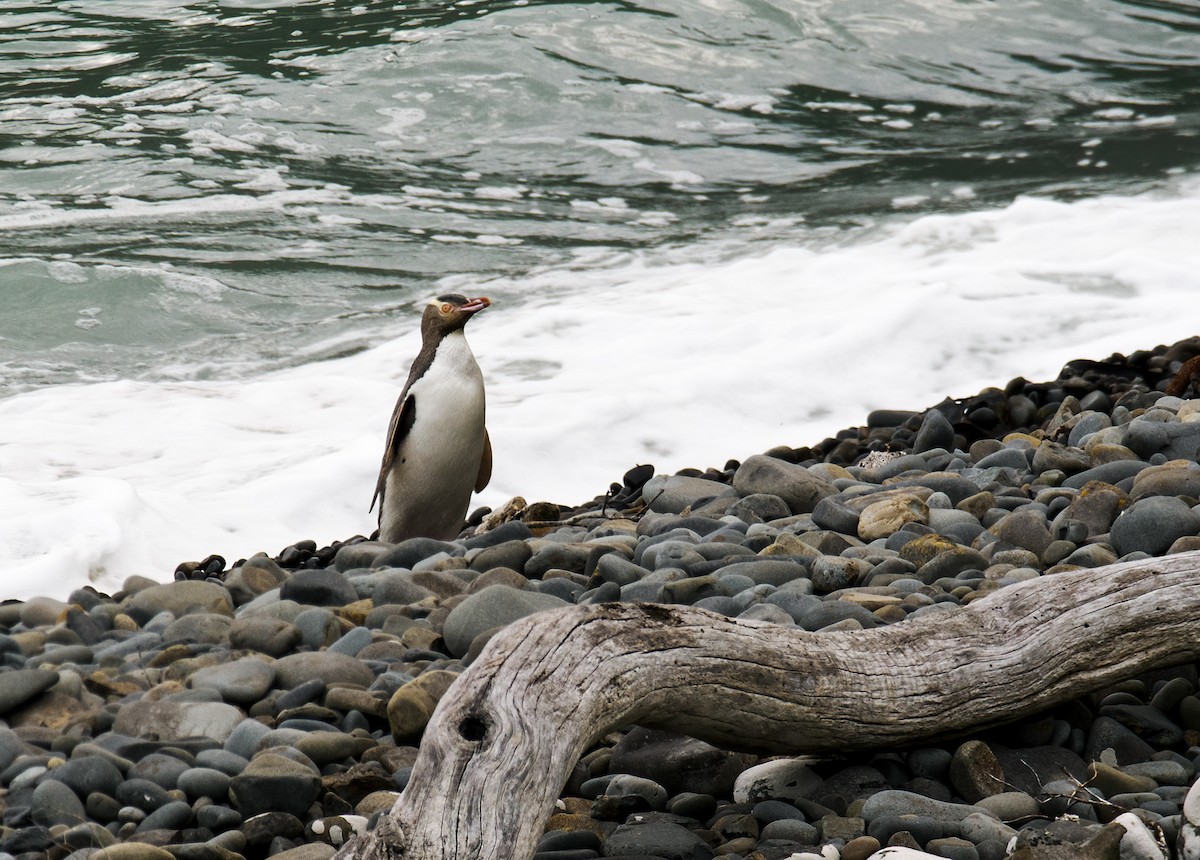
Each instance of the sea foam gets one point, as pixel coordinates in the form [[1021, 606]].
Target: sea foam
[[598, 367]]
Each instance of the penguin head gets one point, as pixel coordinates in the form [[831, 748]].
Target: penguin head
[[449, 313]]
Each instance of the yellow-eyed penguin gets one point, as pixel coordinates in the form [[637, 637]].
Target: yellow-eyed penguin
[[438, 448]]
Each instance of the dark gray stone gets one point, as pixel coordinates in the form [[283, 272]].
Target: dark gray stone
[[322, 587], [1024, 529], [1009, 458], [797, 486], [200, 782], [318, 626], [397, 586], [831, 573], [766, 571], [1029, 769], [361, 555], [352, 641], [672, 494], [55, 803], [624, 785], [557, 556], [142, 793], [848, 785], [159, 768], [408, 553], [678, 762], [169, 816], [1109, 473], [834, 514], [1147, 722], [1152, 524], [827, 612], [494, 606], [20, 685], [274, 783], [614, 567], [899, 803], [225, 760], [509, 531], [242, 682], [759, 507], [511, 554], [87, 774], [935, 431], [1174, 439], [656, 839]]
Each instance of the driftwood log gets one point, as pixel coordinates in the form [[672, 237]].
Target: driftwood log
[[506, 736]]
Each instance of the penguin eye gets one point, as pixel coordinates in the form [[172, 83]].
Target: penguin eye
[[446, 307]]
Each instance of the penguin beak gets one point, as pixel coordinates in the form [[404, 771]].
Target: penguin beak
[[475, 305]]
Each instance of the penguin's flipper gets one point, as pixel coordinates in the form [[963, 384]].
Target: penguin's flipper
[[485, 463], [403, 417]]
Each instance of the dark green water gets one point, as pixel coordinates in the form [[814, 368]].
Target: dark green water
[[191, 190]]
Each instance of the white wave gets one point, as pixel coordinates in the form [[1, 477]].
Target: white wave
[[599, 367]]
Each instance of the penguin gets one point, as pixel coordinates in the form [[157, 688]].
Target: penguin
[[437, 448]]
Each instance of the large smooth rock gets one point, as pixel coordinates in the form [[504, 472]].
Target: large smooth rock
[[87, 774], [411, 706], [55, 803], [1097, 507], [165, 719], [242, 682], [331, 667], [1170, 479], [325, 587], [787, 779], [671, 494], [257, 576], [1152, 524], [656, 839], [272, 636], [796, 485], [20, 685], [1024, 529], [180, 598], [678, 762], [897, 802], [494, 606], [274, 783]]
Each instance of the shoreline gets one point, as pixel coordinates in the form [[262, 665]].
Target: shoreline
[[271, 708]]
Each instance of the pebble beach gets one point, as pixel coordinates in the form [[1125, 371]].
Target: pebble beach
[[273, 707]]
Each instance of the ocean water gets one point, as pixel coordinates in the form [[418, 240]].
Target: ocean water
[[707, 228]]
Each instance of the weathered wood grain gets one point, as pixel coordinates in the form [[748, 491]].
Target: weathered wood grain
[[505, 737]]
